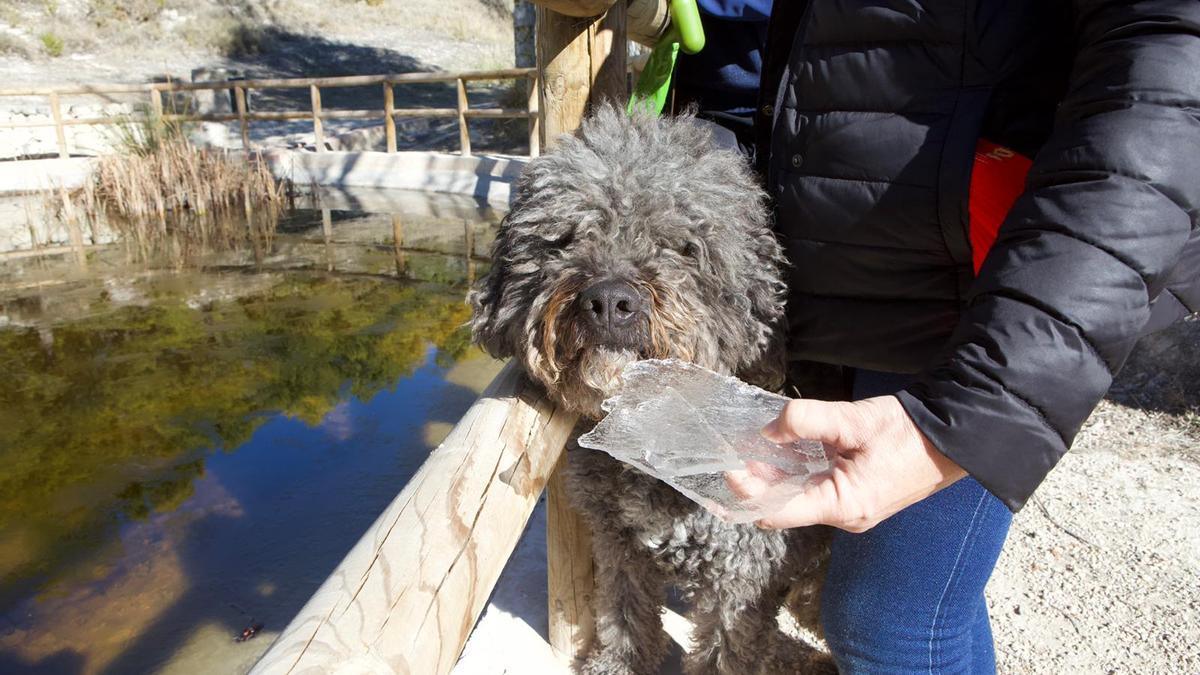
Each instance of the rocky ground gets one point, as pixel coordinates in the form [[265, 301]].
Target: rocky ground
[[1101, 573], [60, 42]]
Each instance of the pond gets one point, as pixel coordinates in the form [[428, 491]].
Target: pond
[[189, 451]]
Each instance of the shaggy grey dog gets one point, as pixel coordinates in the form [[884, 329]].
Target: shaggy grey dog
[[638, 238]]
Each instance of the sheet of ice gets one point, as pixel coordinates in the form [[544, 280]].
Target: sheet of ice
[[687, 426]]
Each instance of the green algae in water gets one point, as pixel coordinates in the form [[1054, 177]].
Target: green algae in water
[[182, 452]]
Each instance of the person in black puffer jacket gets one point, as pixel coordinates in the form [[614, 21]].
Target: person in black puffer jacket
[[977, 355]]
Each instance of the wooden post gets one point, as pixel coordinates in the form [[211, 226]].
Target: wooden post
[[609, 56], [398, 244], [404, 600], [535, 121], [579, 60], [389, 114], [469, 246], [327, 234], [59, 131], [239, 93], [464, 134], [570, 577], [314, 93], [156, 106]]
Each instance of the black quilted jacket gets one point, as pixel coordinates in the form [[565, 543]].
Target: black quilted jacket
[[871, 138]]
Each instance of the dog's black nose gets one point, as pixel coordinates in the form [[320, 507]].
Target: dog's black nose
[[610, 305]]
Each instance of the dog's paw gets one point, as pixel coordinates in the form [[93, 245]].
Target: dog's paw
[[599, 664], [615, 662]]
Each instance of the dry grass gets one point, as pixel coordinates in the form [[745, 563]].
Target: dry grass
[[169, 199], [11, 44]]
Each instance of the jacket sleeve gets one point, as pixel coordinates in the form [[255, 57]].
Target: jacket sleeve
[[1108, 206]]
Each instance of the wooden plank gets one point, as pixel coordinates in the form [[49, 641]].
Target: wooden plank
[[59, 132], [314, 94], [156, 106], [570, 576], [576, 8], [239, 94], [398, 250], [495, 113], [277, 83], [647, 20], [610, 68], [580, 61], [464, 134], [469, 251], [535, 127], [389, 115], [327, 237], [285, 115], [407, 595], [564, 61]]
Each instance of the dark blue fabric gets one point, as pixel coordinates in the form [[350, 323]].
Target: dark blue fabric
[[744, 10], [907, 595], [724, 76]]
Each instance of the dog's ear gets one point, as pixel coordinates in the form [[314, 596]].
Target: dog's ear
[[768, 297], [488, 328]]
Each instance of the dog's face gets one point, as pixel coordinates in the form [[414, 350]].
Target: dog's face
[[633, 239]]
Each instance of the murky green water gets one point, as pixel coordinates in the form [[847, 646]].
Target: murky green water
[[184, 453]]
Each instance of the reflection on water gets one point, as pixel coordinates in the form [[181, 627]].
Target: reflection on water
[[185, 453]]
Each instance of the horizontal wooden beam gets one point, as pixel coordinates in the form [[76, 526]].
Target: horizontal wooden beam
[[279, 83], [283, 115], [576, 8], [406, 597]]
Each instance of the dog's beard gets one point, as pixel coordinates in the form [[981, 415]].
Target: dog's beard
[[595, 377], [580, 374]]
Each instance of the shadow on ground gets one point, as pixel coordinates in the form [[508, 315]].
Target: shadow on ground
[[278, 53], [1163, 373]]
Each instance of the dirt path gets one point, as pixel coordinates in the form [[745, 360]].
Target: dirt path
[[1101, 572]]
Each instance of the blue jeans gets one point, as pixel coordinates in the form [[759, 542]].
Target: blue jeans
[[907, 595]]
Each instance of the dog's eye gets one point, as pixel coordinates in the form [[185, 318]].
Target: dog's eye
[[690, 249]]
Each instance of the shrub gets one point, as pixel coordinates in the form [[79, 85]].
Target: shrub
[[52, 43]]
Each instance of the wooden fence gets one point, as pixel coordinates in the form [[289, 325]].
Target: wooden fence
[[154, 92]]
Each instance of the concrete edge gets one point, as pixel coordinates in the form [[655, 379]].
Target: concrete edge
[[36, 175], [487, 177]]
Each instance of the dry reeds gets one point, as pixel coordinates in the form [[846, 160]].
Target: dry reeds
[[173, 198]]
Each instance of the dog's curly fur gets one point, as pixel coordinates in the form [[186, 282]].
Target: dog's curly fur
[[652, 203]]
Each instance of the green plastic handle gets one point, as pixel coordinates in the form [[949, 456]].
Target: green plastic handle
[[685, 21], [686, 34]]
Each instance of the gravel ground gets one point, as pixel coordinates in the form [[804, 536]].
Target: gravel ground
[[1101, 572]]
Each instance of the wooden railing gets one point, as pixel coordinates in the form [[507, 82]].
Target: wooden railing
[[154, 92], [405, 598]]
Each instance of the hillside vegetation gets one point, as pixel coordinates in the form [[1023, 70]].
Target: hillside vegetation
[[74, 40]]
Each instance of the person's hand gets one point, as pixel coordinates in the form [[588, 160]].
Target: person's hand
[[881, 463]]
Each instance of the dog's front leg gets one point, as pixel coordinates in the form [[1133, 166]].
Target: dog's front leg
[[733, 633], [630, 594]]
